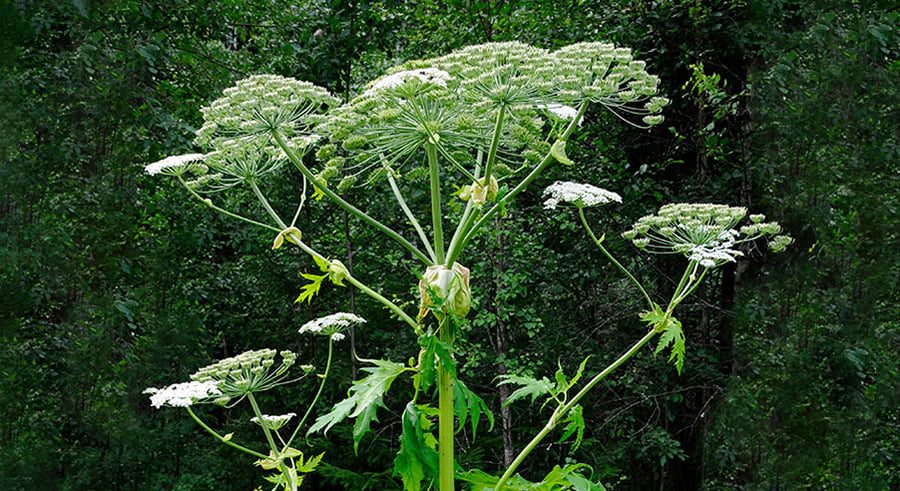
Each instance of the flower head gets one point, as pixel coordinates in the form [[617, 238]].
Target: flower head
[[582, 195], [250, 371], [184, 394], [257, 106], [331, 325], [421, 78], [174, 165], [704, 233], [610, 76], [562, 112], [273, 422]]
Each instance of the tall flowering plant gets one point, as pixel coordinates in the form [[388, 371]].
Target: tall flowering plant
[[478, 125]]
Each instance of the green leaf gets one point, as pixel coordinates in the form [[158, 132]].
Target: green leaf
[[434, 352], [673, 336], [365, 397], [466, 403], [579, 373], [417, 460], [310, 464], [321, 262], [529, 387], [338, 413], [574, 425], [311, 289]]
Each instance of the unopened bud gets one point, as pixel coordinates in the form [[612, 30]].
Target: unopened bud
[[446, 290]]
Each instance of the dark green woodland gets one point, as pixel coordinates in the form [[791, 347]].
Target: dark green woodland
[[112, 281]]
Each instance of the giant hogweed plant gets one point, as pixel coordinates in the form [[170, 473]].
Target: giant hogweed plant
[[478, 125]]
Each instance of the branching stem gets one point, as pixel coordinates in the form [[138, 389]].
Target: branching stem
[[222, 438], [298, 162], [609, 256]]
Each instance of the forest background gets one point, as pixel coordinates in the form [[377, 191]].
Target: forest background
[[110, 283]]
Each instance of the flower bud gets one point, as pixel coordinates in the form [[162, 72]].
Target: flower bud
[[484, 190], [445, 289], [337, 272]]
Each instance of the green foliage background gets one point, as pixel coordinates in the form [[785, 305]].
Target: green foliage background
[[110, 282]]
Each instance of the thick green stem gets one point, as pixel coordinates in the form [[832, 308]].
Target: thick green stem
[[609, 256], [222, 438], [463, 226], [298, 162], [262, 424], [223, 211], [436, 218], [445, 419], [265, 203], [561, 412], [268, 433], [316, 398], [510, 471], [520, 187]]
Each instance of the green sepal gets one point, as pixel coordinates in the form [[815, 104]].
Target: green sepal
[[558, 152]]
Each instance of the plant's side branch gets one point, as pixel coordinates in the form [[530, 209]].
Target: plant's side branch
[[222, 210], [685, 287], [519, 188], [222, 438], [316, 398], [410, 216], [344, 204], [561, 411], [265, 203], [360, 285], [609, 256]]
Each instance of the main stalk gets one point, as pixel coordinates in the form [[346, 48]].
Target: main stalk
[[445, 419]]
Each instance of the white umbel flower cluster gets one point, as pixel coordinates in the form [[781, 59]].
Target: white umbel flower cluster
[[331, 325], [562, 111], [427, 75], [182, 395], [273, 422], [702, 232], [717, 251], [173, 165], [248, 372], [581, 195]]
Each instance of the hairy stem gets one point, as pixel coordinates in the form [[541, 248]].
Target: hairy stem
[[222, 438], [265, 203], [463, 226], [268, 433], [609, 256], [259, 417], [495, 143], [298, 162]]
